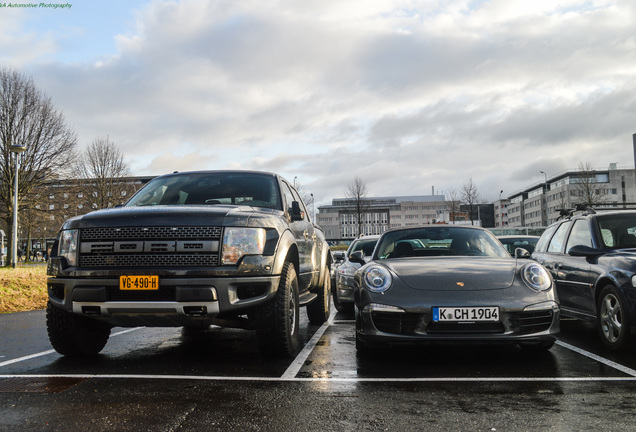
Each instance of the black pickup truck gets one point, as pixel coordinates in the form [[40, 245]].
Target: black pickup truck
[[192, 249]]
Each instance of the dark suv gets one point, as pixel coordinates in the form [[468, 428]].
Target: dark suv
[[592, 258], [230, 248]]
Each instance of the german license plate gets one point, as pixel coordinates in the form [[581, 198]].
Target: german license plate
[[139, 283], [458, 314]]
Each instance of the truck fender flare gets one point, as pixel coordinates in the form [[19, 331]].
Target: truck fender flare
[[286, 251]]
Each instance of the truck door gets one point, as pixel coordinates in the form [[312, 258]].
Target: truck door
[[302, 231]]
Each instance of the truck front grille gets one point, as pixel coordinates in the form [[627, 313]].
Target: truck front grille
[[128, 233], [149, 247]]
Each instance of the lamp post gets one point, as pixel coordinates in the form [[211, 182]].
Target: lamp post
[[545, 196], [501, 208], [16, 149]]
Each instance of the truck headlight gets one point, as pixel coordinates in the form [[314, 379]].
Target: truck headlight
[[238, 242], [68, 246]]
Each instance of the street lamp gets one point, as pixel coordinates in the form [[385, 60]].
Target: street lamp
[[501, 208], [16, 149], [545, 196]]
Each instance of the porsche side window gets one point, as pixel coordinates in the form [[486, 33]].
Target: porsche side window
[[558, 241]]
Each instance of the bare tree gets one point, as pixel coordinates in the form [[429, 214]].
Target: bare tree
[[470, 196], [356, 193], [103, 174], [28, 118], [454, 204], [587, 188]]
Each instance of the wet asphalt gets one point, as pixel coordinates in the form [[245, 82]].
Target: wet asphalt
[[161, 379]]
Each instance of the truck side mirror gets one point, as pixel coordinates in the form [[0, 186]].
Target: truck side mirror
[[295, 212]]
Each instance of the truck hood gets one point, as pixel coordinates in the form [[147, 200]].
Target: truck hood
[[217, 215], [454, 273]]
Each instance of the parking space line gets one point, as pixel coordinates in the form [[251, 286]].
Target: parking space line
[[301, 358], [327, 380], [43, 353], [599, 359]]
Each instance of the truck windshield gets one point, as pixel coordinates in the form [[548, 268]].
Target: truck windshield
[[245, 189]]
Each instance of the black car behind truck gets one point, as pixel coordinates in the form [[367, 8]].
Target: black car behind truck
[[229, 248]]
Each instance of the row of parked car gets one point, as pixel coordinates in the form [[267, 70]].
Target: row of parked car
[[451, 283]]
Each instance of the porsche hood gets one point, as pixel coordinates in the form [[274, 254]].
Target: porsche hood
[[453, 273]]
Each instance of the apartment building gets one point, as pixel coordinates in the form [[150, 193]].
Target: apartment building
[[339, 219], [540, 204]]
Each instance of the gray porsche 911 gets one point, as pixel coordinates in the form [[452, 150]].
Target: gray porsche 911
[[445, 283]]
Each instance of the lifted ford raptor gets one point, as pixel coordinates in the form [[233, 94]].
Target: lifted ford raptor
[[192, 249]]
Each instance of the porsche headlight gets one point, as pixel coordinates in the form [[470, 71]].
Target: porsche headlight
[[68, 246], [536, 277], [238, 242], [377, 279]]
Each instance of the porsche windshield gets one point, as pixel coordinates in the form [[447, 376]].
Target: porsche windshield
[[439, 241], [246, 189]]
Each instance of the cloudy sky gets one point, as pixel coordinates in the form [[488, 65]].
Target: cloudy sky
[[408, 95]]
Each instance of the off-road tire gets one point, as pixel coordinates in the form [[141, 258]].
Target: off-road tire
[[318, 311], [612, 322], [75, 336], [277, 321]]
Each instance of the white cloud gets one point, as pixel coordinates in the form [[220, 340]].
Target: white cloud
[[408, 95]]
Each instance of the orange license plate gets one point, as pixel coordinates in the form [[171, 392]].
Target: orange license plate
[[139, 283]]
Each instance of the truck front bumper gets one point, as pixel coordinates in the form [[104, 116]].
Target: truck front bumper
[[177, 302]]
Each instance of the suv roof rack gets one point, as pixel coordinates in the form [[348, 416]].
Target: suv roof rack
[[579, 209]]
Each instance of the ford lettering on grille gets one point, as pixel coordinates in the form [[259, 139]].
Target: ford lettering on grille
[[133, 247]]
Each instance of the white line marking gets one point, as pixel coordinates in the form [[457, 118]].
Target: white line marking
[[333, 380], [43, 353], [29, 357], [301, 358], [299, 361], [599, 359]]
